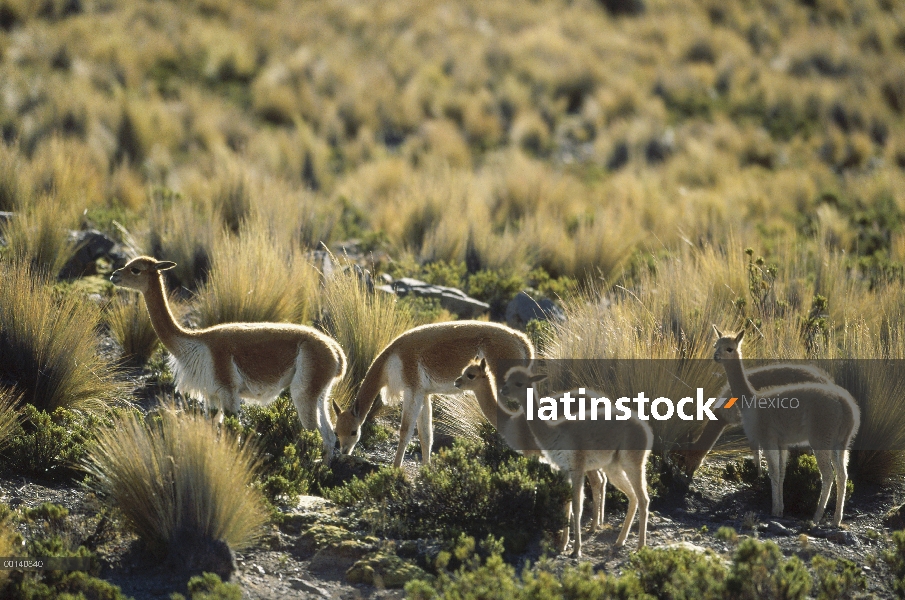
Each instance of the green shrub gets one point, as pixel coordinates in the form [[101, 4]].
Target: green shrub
[[465, 490], [48, 511], [727, 534], [895, 558], [290, 456], [181, 483], [496, 288], [50, 446], [655, 573], [53, 584], [208, 586], [759, 571], [679, 573], [801, 487], [837, 579], [48, 345]]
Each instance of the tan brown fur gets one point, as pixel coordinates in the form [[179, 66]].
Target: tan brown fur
[[427, 360], [255, 361]]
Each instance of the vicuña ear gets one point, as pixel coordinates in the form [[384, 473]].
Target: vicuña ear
[[164, 265], [483, 364], [336, 407], [740, 335], [536, 378], [355, 410], [717, 331]]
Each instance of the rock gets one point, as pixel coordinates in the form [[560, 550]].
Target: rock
[[5, 216], [315, 503], [384, 571], [320, 536], [777, 528], [524, 308], [452, 299], [90, 246], [685, 546], [309, 588], [340, 556], [837, 536], [895, 517]]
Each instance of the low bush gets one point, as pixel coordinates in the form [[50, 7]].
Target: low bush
[[49, 446], [801, 487], [758, 570], [183, 485], [837, 578], [895, 558], [465, 490], [290, 456], [53, 584], [209, 586]]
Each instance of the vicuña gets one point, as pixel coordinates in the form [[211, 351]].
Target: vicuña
[[227, 363]]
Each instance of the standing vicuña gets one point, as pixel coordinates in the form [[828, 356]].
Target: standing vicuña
[[761, 378], [514, 429], [618, 448], [254, 361], [825, 417], [423, 361]]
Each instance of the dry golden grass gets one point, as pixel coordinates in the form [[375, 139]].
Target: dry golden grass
[[9, 413], [254, 280], [48, 345], [177, 478], [39, 234], [130, 325], [363, 323]]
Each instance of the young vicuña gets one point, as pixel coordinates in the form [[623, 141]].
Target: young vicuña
[[618, 448], [761, 378], [514, 429], [233, 361], [824, 417], [427, 360]]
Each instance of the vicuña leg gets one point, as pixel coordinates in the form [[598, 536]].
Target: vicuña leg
[[426, 429], [825, 464], [411, 410], [577, 500], [840, 463]]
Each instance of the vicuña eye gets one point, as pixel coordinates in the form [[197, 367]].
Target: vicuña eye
[[471, 375], [135, 271], [729, 349], [354, 432]]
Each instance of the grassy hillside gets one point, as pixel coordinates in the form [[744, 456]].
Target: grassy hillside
[[548, 134]]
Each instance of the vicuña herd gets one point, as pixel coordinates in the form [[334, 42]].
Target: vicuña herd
[[228, 363]]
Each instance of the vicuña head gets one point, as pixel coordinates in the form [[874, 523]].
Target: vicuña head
[[727, 346], [138, 274]]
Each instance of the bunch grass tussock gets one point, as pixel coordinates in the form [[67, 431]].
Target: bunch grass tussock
[[252, 279], [364, 322], [9, 413], [130, 325], [39, 234], [48, 344], [178, 479]]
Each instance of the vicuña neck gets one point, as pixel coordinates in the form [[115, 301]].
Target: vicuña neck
[[168, 330], [738, 381]]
